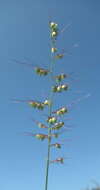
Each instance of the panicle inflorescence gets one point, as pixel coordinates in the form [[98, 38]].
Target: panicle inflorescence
[[53, 125]]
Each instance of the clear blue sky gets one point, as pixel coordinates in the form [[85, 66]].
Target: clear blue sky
[[24, 34]]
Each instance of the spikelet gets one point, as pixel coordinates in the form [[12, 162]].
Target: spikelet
[[59, 78], [58, 160], [57, 126], [52, 120], [59, 56], [60, 88], [54, 30], [41, 136], [54, 34], [53, 50], [53, 25], [61, 111], [47, 103], [41, 71], [40, 125], [56, 145], [36, 104], [55, 135]]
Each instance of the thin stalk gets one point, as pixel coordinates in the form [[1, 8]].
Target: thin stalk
[[49, 130], [48, 160]]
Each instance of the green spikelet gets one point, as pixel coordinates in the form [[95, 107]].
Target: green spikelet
[[41, 136], [41, 71], [52, 120], [56, 145], [61, 111], [57, 126], [60, 88], [59, 56], [59, 78], [38, 105]]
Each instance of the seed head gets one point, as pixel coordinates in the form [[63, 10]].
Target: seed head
[[52, 120], [61, 160], [56, 145], [53, 25], [38, 105], [60, 88], [54, 34], [40, 125], [58, 160], [59, 78], [64, 86], [61, 111], [59, 56], [41, 71], [47, 102], [58, 126], [53, 50], [41, 136]]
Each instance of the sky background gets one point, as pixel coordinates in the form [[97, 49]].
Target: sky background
[[24, 35]]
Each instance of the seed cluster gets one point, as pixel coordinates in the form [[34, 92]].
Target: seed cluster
[[60, 88], [52, 120], [39, 105], [57, 126], [56, 145], [36, 104], [41, 136], [61, 111], [54, 29], [58, 160], [53, 49], [59, 56], [59, 78], [40, 125], [41, 71]]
